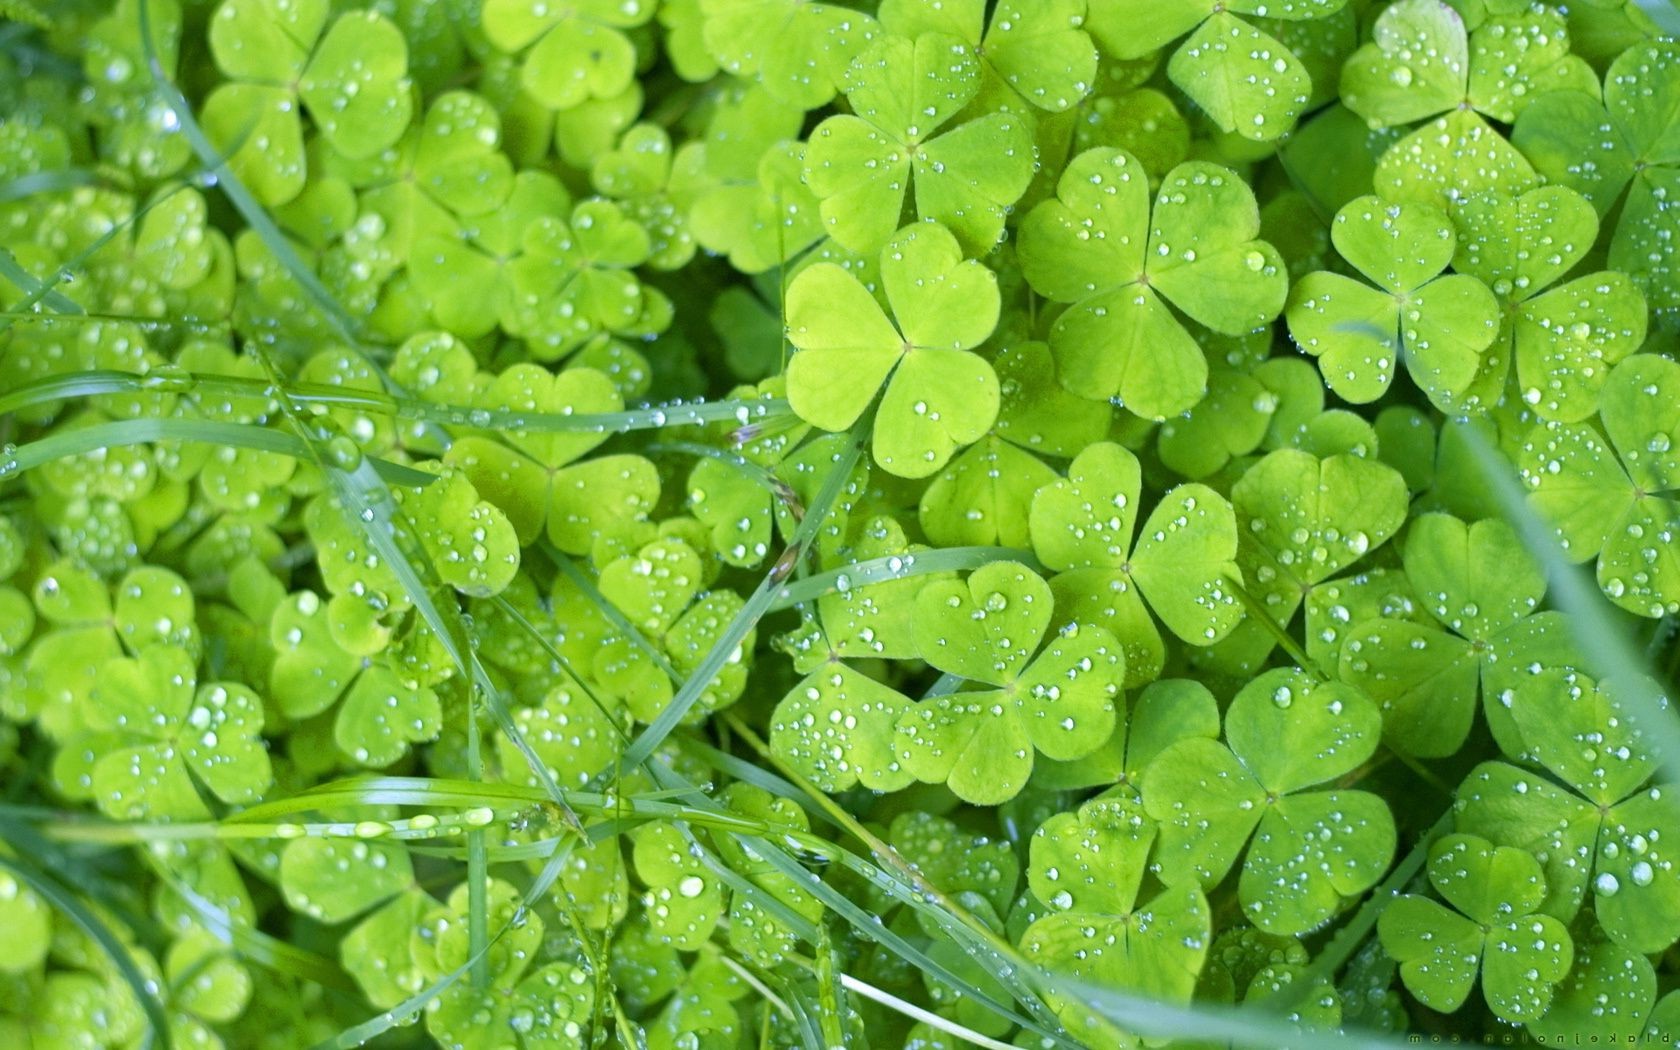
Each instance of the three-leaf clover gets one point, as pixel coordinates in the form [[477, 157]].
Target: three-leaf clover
[[1616, 500], [156, 732], [797, 49], [1493, 925], [1301, 520], [1038, 48], [1060, 702], [353, 80], [578, 49], [1423, 61], [535, 477], [1565, 339], [1182, 560], [1312, 849], [939, 394], [1481, 588], [1087, 868], [1247, 81], [1608, 827], [1438, 325], [1621, 154], [1100, 247], [902, 92]]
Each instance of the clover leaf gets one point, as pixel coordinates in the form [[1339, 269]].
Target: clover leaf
[[1563, 340], [574, 733], [1492, 926], [332, 880], [1059, 702], [1607, 827], [156, 736], [381, 710], [1423, 61], [837, 727], [660, 588], [1301, 520], [1181, 561], [798, 50], [353, 80], [1088, 867], [1311, 850], [535, 477], [1481, 587], [1439, 326], [1101, 248], [543, 1008], [902, 92], [939, 395], [684, 900], [573, 279], [1041, 51], [578, 51], [1246, 80], [1620, 154], [1608, 993], [1615, 500]]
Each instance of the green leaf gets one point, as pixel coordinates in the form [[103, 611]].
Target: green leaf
[[332, 880], [984, 496], [939, 395], [356, 84], [1246, 81], [1098, 248], [836, 727]]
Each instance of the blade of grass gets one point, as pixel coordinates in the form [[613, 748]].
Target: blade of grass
[[74, 442], [897, 567]]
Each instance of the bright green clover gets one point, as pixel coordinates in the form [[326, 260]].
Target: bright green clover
[[1246, 81], [1422, 62], [578, 49], [1481, 587], [902, 93], [760, 217], [26, 923], [317, 664], [546, 1006], [332, 880], [837, 728], [1607, 994], [1182, 560], [157, 738], [1301, 520], [573, 280], [462, 268], [1615, 500], [685, 900], [957, 860], [939, 395], [576, 733], [1492, 925], [1312, 850], [985, 495], [1564, 340], [1608, 827], [798, 50], [1165, 712], [1038, 48], [754, 929], [535, 477], [1087, 869], [639, 175], [1231, 421], [1439, 326], [1621, 153], [1450, 160], [353, 82], [1100, 248], [1059, 703], [660, 589], [90, 623]]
